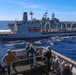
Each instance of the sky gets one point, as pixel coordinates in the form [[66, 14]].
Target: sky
[[65, 10]]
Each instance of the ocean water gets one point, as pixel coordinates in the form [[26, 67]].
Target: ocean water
[[4, 24], [64, 45]]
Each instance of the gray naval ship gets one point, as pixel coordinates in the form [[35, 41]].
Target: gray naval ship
[[34, 28]]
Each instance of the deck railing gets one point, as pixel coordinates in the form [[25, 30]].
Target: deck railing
[[57, 60]]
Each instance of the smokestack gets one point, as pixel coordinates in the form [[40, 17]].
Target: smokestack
[[25, 17]]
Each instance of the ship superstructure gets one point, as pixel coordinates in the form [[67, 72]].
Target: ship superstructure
[[45, 27]]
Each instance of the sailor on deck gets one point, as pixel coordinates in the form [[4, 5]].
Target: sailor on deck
[[31, 53], [8, 59], [47, 54]]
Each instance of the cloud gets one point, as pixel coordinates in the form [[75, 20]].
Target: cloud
[[31, 6], [20, 3], [26, 4]]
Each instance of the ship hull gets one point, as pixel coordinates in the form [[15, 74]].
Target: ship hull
[[35, 35]]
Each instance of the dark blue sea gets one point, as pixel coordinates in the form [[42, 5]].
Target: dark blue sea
[[64, 45]]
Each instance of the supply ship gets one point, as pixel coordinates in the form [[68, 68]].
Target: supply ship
[[34, 28]]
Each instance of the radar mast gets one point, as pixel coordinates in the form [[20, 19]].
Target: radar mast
[[53, 15], [45, 15], [31, 13]]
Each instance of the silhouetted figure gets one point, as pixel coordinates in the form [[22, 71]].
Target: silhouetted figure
[[31, 53], [66, 70], [47, 54]]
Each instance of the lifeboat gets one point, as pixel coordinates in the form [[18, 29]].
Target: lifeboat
[[38, 28], [31, 29], [34, 28]]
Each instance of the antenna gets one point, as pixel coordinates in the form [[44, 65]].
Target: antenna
[[46, 14], [31, 15], [53, 15]]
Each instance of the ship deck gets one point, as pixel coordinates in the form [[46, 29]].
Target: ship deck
[[22, 67], [38, 69]]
